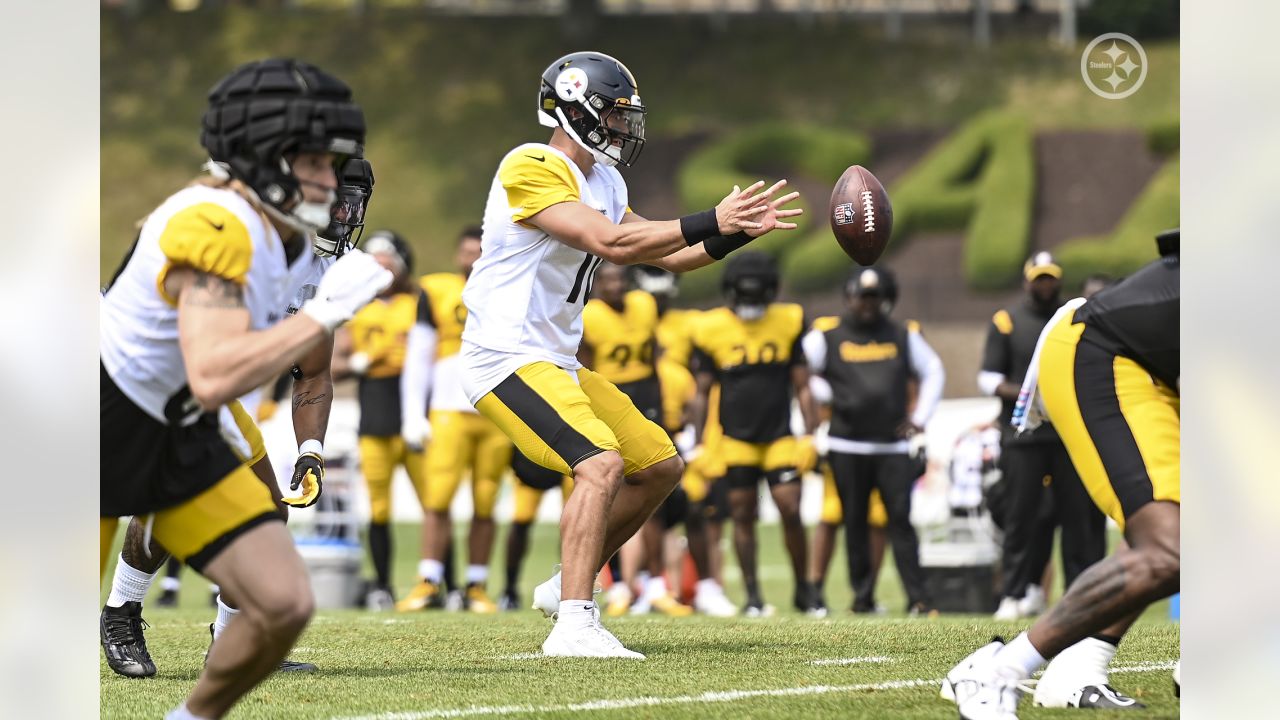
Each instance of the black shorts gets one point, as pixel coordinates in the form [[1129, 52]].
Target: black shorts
[[647, 396], [148, 465], [534, 475]]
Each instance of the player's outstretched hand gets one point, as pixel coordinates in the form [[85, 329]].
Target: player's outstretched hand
[[348, 285], [756, 211]]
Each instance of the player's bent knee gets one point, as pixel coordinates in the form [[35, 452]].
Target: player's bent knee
[[603, 468]]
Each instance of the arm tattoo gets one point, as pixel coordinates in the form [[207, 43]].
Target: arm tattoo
[[306, 398], [211, 291]]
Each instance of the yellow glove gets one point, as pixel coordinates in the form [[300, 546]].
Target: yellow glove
[[806, 454], [308, 472]]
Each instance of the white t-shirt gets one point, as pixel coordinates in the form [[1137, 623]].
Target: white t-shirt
[[213, 230]]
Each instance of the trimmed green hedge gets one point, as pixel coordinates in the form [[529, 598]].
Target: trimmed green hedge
[[742, 157], [982, 179], [1132, 244]]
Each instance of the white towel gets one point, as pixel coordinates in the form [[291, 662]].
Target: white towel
[[1029, 412]]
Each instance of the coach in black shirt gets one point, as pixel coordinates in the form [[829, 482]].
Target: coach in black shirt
[[1041, 485], [868, 360]]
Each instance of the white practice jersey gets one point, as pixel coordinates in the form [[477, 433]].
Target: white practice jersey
[[213, 230], [526, 292]]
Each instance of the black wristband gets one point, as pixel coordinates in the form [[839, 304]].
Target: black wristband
[[699, 226], [720, 246]]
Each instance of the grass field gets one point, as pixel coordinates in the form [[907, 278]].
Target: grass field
[[445, 665]]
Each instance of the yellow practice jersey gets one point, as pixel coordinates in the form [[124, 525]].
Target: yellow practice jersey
[[622, 343], [752, 361], [381, 330], [441, 307], [675, 335]]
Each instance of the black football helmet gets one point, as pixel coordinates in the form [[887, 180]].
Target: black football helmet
[[594, 99], [382, 241], [265, 111], [346, 222], [750, 283], [879, 281]]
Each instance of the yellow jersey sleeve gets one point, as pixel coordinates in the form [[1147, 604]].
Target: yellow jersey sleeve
[[210, 238], [535, 180]]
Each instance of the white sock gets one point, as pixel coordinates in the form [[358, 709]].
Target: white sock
[[182, 713], [225, 613], [477, 574], [655, 587], [1020, 656], [707, 585], [129, 584], [1087, 660], [576, 614], [170, 583], [431, 570], [642, 580]]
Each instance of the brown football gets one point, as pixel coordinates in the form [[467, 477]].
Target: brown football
[[861, 216]]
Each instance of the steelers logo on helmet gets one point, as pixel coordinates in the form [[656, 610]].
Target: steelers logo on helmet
[[265, 112], [594, 99], [346, 221], [750, 283]]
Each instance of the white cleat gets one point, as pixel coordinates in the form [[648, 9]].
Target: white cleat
[[1008, 610], [546, 597], [965, 669], [590, 641], [985, 692], [713, 602], [1069, 685], [1033, 603]]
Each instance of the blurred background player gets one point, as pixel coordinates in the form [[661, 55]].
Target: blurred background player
[[372, 348], [193, 320], [752, 348], [532, 481], [463, 442], [1095, 283], [1041, 488], [704, 517], [1109, 374], [832, 518], [619, 341], [121, 625], [869, 360]]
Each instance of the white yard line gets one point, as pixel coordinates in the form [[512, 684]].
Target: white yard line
[[852, 660], [707, 697]]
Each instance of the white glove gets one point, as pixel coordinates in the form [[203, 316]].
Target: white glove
[[359, 363], [416, 432], [822, 439], [349, 284]]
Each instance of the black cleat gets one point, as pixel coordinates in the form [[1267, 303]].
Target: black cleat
[[168, 598], [122, 641], [285, 665]]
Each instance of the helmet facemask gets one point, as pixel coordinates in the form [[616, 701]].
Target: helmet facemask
[[750, 295], [346, 221]]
